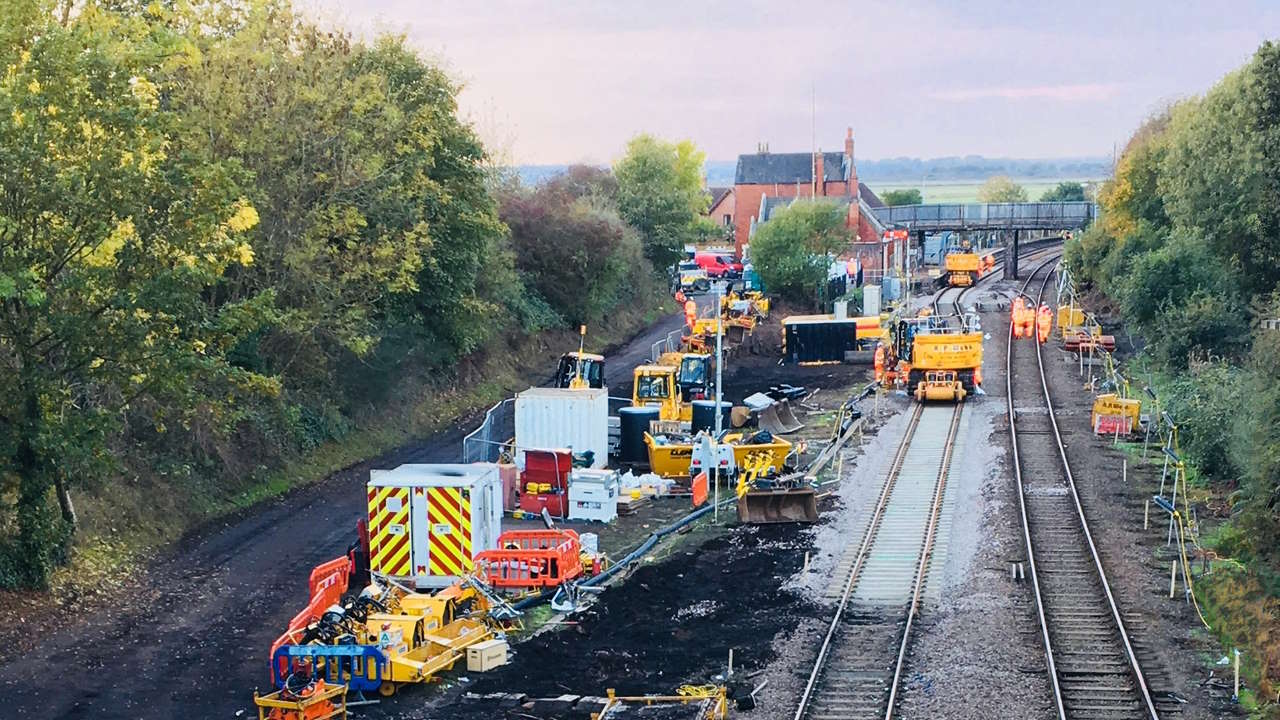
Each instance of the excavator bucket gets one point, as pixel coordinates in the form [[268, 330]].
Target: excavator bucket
[[788, 417], [778, 419], [760, 507]]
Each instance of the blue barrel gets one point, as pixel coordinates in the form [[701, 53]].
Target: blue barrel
[[704, 415], [634, 422]]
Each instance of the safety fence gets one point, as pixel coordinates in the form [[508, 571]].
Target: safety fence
[[671, 343], [485, 443]]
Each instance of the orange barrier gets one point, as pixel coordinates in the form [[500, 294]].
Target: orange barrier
[[532, 559], [699, 488], [325, 586]]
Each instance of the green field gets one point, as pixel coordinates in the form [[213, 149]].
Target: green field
[[967, 192]]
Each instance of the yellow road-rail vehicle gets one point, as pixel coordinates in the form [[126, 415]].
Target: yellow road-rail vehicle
[[965, 266], [936, 357]]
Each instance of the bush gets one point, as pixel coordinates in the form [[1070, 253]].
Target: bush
[[794, 249]]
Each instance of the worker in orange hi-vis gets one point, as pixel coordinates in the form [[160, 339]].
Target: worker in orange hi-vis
[[1044, 323], [879, 363], [1017, 309], [1029, 321], [690, 312]]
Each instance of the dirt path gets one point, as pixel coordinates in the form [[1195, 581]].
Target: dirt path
[[193, 632]]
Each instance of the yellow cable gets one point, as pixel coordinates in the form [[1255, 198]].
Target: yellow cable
[[698, 691]]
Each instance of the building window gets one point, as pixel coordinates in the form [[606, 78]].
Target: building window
[[727, 220]]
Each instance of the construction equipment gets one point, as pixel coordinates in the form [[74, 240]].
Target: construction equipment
[[765, 497], [303, 698], [658, 386], [580, 369], [695, 376], [964, 267], [692, 278], [778, 418], [1115, 415], [935, 357]]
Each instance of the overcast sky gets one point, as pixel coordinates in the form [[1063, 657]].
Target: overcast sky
[[564, 81]]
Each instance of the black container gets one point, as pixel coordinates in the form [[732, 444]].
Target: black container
[[635, 423], [704, 415]]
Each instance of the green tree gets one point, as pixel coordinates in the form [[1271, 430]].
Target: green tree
[[571, 246], [1001, 189], [660, 195], [794, 249], [1066, 191], [113, 238], [905, 196]]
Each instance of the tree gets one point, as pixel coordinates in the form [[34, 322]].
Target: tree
[[660, 195], [1001, 189], [1066, 191], [905, 196], [794, 249], [113, 239], [571, 246]]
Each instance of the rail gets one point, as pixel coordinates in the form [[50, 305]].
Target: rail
[[1060, 703], [822, 692]]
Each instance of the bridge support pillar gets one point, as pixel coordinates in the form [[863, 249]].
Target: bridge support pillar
[[1011, 258]]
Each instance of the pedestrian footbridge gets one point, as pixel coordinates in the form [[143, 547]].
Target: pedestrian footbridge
[[939, 217]]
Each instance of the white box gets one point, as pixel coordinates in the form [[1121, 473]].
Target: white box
[[593, 495], [560, 418], [419, 517], [487, 655]]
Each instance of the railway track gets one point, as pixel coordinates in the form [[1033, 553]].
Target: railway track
[[1094, 670], [859, 665]]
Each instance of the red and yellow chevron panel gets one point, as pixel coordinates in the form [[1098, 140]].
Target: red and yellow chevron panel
[[390, 536], [449, 517]]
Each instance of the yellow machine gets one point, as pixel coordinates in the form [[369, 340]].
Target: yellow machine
[[1112, 413], [695, 377], [936, 357], [964, 266], [580, 369], [316, 701], [656, 386], [675, 458]]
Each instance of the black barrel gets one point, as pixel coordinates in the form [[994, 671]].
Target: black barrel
[[635, 423], [704, 415]]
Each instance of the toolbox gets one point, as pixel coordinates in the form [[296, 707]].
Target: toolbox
[[593, 495], [487, 655]]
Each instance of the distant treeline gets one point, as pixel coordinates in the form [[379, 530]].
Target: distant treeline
[[967, 168]]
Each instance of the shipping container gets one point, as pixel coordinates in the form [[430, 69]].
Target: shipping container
[[428, 522], [555, 419], [818, 338]]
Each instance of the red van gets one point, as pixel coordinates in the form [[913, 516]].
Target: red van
[[718, 265]]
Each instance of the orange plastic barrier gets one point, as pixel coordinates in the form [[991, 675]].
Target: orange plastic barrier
[[532, 559], [699, 488], [326, 586]]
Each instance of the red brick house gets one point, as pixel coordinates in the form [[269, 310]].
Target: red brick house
[[721, 210], [765, 181]]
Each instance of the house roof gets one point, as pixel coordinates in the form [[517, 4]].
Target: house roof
[[787, 168], [717, 194], [869, 197]]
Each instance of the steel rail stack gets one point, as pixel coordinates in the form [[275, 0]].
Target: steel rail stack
[[1092, 666]]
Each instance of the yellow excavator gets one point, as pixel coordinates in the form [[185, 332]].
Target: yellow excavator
[[580, 369]]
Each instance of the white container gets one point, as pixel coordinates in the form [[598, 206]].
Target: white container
[[593, 495], [870, 300], [428, 522], [589, 542], [560, 418]]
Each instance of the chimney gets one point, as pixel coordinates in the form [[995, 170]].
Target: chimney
[[853, 190], [819, 177]]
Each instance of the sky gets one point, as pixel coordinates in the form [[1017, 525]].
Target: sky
[[563, 81]]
